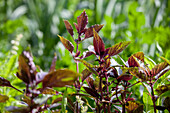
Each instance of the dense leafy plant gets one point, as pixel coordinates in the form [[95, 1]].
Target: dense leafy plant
[[106, 82], [105, 78]]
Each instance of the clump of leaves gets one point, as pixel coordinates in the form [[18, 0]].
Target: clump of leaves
[[32, 95], [108, 82]]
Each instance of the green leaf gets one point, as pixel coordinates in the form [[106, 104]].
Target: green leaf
[[64, 101], [117, 48], [89, 66], [119, 19], [166, 60], [60, 78], [57, 100], [147, 100], [3, 98], [67, 44]]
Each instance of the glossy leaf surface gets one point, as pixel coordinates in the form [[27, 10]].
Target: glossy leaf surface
[[89, 32], [98, 43], [82, 21], [85, 73], [91, 91], [60, 78], [69, 27], [117, 48], [158, 68], [132, 61], [125, 77], [67, 44]]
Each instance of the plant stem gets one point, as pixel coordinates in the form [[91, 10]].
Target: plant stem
[[153, 97], [77, 64], [123, 108]]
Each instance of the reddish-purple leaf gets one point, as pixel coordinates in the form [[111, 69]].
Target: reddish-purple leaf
[[67, 44], [158, 68], [86, 54], [69, 27], [125, 77], [117, 48], [90, 82], [89, 32], [91, 91], [85, 73], [135, 72], [82, 21], [60, 78], [98, 43], [52, 68], [139, 55], [5, 82], [76, 26], [133, 62], [27, 69], [130, 99]]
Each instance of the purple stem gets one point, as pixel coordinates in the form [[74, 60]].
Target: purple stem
[[153, 97]]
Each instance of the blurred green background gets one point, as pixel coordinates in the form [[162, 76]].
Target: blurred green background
[[36, 23]]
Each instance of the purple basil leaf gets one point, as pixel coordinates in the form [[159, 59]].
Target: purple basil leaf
[[98, 43], [89, 31], [82, 21], [67, 44], [69, 27]]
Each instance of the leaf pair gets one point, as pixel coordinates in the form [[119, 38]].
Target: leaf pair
[[82, 22], [100, 50], [27, 70], [144, 72]]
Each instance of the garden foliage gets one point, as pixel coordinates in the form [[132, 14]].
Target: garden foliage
[[103, 86]]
